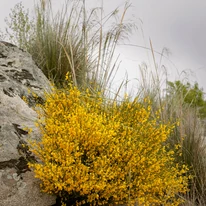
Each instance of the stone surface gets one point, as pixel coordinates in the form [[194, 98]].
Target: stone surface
[[19, 78]]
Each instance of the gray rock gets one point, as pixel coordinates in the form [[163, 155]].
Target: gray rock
[[19, 78]]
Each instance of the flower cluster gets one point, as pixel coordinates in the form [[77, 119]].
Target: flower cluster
[[105, 152]]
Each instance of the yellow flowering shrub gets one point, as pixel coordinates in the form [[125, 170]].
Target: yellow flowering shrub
[[93, 152]]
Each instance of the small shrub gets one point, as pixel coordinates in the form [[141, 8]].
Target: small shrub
[[95, 152]]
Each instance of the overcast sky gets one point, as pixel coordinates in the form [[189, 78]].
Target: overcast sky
[[179, 25]]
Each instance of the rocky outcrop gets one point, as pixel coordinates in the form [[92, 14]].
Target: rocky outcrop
[[19, 78]]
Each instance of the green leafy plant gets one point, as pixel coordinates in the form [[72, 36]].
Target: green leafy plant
[[20, 26], [193, 96]]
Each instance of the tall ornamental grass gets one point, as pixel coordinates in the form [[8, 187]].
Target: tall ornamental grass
[[191, 136], [72, 40], [182, 102]]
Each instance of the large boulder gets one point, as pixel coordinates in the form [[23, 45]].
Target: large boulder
[[19, 79]]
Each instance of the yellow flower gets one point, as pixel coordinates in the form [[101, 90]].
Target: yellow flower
[[105, 151]]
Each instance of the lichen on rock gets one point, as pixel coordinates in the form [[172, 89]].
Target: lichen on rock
[[19, 77]]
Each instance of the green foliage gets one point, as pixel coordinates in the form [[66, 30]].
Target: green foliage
[[190, 95], [96, 152], [19, 26]]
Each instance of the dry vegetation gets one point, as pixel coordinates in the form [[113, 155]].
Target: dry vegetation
[[94, 149]]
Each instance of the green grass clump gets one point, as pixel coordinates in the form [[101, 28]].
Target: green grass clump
[[72, 40]]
